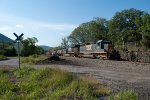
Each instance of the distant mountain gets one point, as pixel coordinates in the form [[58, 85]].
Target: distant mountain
[[46, 48], [5, 38]]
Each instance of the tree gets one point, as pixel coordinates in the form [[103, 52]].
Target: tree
[[75, 37], [100, 28], [64, 43], [125, 26], [146, 30], [30, 48], [90, 31]]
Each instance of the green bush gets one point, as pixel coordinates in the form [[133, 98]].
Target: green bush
[[2, 57]]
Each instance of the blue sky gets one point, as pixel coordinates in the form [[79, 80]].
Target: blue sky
[[51, 20]]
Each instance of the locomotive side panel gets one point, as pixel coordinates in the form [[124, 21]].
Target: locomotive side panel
[[82, 49], [87, 49]]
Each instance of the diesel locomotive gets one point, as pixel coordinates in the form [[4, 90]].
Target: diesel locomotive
[[101, 49]]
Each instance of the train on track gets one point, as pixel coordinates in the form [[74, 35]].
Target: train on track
[[101, 49]]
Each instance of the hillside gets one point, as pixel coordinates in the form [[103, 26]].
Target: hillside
[[46, 48], [5, 38]]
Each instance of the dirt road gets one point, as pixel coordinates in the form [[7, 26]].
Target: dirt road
[[12, 62]]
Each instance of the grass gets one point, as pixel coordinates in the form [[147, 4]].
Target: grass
[[53, 84], [125, 95], [2, 57], [50, 84], [34, 59]]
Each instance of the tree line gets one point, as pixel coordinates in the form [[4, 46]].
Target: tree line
[[129, 25], [29, 48]]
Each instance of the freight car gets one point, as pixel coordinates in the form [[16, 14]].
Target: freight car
[[101, 49]]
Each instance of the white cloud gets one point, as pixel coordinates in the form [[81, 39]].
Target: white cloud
[[19, 26], [5, 28]]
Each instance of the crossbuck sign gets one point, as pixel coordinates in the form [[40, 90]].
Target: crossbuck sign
[[18, 45]]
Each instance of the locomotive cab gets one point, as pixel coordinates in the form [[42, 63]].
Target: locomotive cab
[[104, 45]]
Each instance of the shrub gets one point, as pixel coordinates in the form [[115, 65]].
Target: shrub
[[2, 57]]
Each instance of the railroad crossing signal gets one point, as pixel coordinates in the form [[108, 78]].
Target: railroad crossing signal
[[18, 45], [18, 37]]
